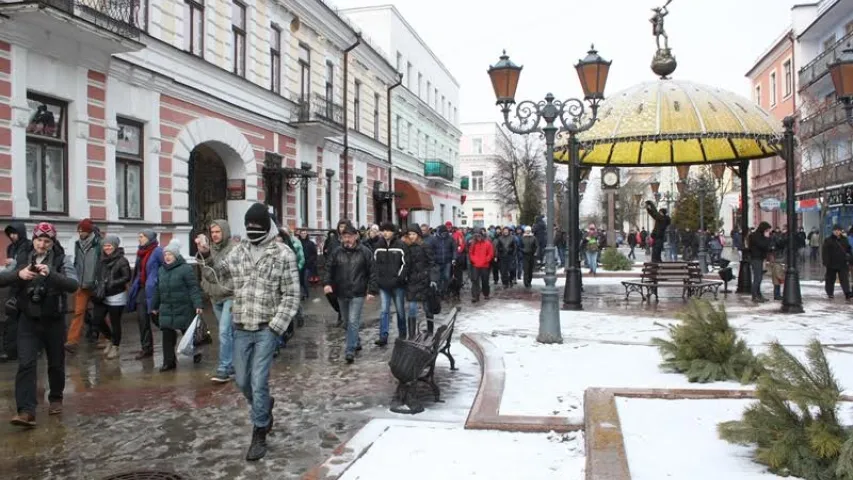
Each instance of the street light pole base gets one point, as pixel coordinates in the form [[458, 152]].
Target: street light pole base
[[792, 298], [549, 317], [572, 296], [744, 278]]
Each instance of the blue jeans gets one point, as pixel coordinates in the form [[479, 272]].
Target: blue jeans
[[222, 310], [443, 277], [413, 309], [399, 297], [561, 254], [351, 313], [592, 261], [253, 353]]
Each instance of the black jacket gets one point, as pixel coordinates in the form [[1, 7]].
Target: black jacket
[[113, 276], [350, 272], [529, 245], [662, 221], [759, 245], [836, 252], [52, 289], [421, 272], [22, 244], [309, 250], [391, 263]]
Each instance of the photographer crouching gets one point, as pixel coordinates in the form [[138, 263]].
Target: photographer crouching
[[39, 282]]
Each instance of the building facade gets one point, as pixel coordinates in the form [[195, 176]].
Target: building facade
[[773, 85], [825, 190], [479, 149], [424, 121], [167, 114]]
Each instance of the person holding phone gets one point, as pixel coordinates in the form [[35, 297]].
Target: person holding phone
[[40, 282]]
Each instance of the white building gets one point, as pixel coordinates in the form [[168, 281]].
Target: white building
[[823, 30], [480, 147], [165, 115], [425, 133]]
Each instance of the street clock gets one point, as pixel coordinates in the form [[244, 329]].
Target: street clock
[[610, 178]]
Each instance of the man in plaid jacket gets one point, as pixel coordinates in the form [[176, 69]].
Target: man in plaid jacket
[[264, 278]]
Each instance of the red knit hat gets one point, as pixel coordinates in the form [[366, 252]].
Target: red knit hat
[[44, 229], [86, 225]]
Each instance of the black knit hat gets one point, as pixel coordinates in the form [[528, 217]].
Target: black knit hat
[[414, 228], [258, 214], [349, 227]]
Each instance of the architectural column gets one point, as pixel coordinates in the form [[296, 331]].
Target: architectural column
[[20, 115], [98, 138]]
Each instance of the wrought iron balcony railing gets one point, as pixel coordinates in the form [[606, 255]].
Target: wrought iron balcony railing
[[817, 68], [319, 108], [824, 119], [122, 17], [438, 169]]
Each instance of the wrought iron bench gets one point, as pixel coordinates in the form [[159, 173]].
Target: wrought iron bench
[[413, 360], [684, 275]]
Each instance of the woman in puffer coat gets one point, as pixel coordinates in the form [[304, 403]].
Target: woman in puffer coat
[[177, 300], [422, 278], [111, 293]]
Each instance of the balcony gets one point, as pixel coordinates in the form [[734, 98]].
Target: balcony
[[321, 117], [827, 118], [463, 183], [108, 26], [817, 68], [438, 169]]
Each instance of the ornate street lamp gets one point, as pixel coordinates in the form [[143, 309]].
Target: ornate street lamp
[[592, 73], [841, 72]]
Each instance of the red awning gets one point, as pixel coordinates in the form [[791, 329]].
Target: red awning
[[411, 197]]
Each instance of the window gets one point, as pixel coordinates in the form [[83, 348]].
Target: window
[[477, 145], [477, 181], [238, 28], [478, 217], [376, 100], [303, 199], [399, 62], [416, 147], [789, 78], [773, 89], [356, 106], [426, 146], [46, 149], [829, 42], [443, 106], [420, 83], [399, 130], [758, 95], [329, 175], [455, 118], [330, 83], [409, 80], [435, 101], [428, 93], [304, 72], [358, 181], [194, 27], [441, 211], [129, 160], [409, 136], [275, 58]]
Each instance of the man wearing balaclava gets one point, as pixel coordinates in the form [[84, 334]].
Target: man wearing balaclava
[[263, 275]]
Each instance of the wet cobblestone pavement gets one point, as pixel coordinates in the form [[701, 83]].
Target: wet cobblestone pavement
[[128, 416]]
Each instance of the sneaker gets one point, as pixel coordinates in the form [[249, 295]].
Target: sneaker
[[143, 354], [219, 377], [111, 352], [55, 408], [350, 358], [24, 420]]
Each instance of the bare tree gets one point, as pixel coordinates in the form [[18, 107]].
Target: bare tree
[[627, 209], [519, 176]]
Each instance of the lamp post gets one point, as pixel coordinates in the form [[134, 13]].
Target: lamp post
[[592, 72]]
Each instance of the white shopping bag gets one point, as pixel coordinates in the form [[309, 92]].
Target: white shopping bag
[[185, 347]]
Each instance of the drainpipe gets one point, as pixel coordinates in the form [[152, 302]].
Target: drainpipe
[[346, 122], [390, 147]]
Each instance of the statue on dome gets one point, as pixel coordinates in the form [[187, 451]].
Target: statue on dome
[[657, 25], [663, 63]]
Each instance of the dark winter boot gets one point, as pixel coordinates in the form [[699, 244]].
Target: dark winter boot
[[412, 328], [258, 447], [272, 419], [430, 327]]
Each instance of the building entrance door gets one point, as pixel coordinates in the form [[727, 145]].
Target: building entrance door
[[207, 191]]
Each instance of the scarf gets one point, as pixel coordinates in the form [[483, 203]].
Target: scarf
[[142, 256]]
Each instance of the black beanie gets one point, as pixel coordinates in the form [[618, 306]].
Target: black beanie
[[258, 215]]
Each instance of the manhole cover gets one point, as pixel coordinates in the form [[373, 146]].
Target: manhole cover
[[146, 475]]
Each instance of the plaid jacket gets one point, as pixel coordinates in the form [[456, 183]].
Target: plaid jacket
[[264, 292]]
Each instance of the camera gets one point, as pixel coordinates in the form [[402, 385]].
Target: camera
[[37, 293]]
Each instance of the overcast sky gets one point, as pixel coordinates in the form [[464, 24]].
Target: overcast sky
[[714, 41]]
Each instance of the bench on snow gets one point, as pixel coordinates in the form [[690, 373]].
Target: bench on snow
[[684, 275], [413, 360]]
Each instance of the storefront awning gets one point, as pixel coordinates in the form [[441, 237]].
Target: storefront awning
[[411, 197]]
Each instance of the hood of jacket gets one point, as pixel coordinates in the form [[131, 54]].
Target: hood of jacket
[[226, 235], [19, 228]]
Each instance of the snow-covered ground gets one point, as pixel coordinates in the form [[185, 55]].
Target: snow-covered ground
[[430, 451], [687, 431], [607, 350]]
